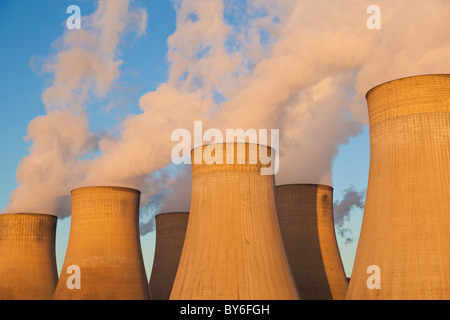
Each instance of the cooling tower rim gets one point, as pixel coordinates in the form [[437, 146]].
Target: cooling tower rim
[[37, 214], [222, 143], [306, 184], [107, 187], [408, 77], [172, 212]]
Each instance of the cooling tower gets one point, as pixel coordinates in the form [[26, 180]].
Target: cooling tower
[[233, 248], [104, 244], [27, 256], [170, 233], [406, 225], [305, 214]]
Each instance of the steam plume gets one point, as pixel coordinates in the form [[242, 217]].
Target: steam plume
[[299, 66]]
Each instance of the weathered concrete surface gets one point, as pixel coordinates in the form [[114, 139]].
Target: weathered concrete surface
[[406, 224], [104, 243], [233, 247], [305, 213], [170, 233], [27, 256]]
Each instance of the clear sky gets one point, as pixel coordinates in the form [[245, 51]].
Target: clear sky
[[27, 31]]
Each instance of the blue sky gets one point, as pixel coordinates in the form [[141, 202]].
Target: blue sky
[[27, 31]]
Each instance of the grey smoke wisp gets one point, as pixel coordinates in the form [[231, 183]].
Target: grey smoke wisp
[[343, 208]]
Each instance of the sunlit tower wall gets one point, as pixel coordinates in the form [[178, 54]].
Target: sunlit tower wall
[[104, 243], [305, 214], [27, 256], [233, 248], [170, 233], [406, 224]]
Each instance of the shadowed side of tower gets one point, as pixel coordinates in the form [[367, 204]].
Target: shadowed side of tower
[[406, 225], [305, 213], [27, 256], [104, 243], [170, 234], [233, 247]]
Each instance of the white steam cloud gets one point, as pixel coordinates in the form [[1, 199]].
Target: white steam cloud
[[301, 66]]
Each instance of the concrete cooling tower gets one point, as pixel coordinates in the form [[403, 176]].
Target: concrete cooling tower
[[104, 244], [404, 246], [233, 248], [305, 214], [27, 256], [170, 233]]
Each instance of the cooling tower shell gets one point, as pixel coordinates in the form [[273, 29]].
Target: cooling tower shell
[[170, 233], [27, 256], [305, 214], [406, 224], [233, 248], [104, 243]]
